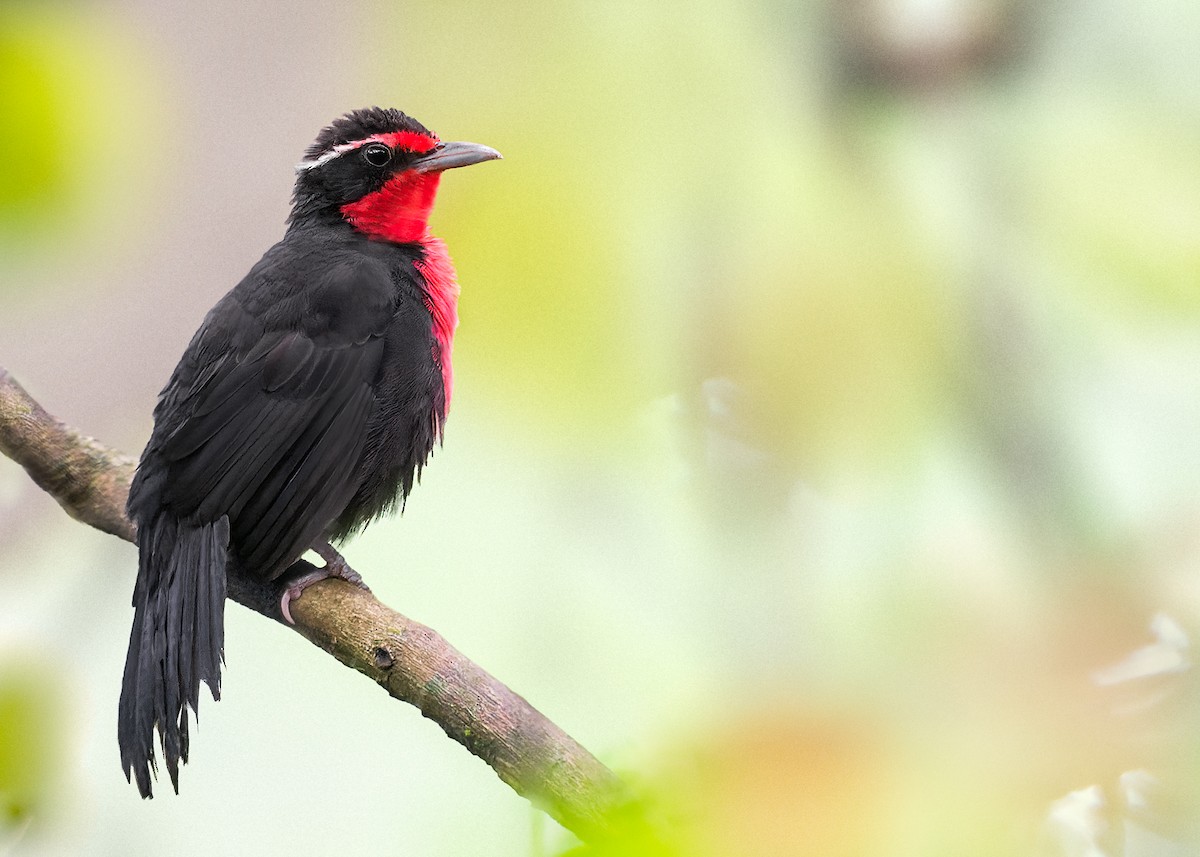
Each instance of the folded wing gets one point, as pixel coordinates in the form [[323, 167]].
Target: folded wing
[[273, 442]]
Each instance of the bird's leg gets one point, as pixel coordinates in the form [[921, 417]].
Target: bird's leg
[[335, 566]]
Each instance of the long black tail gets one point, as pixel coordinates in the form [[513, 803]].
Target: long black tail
[[176, 642]]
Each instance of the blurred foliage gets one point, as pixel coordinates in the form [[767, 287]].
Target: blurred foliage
[[826, 432], [30, 709], [74, 92], [1116, 190], [38, 157]]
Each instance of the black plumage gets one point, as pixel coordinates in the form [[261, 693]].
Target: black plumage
[[304, 406]]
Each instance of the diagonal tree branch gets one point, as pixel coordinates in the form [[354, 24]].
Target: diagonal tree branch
[[411, 661]]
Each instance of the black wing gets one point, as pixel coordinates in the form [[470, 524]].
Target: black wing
[[274, 435]]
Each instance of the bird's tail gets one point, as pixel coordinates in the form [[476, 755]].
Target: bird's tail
[[176, 642]]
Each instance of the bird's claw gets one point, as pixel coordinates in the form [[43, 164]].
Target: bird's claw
[[335, 566]]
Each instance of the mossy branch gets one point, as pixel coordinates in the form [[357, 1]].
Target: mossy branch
[[410, 661]]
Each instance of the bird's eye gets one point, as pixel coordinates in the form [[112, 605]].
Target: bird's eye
[[377, 154]]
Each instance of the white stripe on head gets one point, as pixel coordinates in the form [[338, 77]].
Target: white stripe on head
[[335, 152]]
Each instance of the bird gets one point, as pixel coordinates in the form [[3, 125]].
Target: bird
[[305, 406]]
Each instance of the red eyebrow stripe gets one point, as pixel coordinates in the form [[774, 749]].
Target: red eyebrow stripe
[[412, 141]]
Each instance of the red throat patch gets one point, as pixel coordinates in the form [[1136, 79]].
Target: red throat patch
[[398, 211]]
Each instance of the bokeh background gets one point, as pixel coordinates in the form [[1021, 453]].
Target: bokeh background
[[826, 445]]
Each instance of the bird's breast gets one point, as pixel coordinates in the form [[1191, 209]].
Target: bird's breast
[[440, 285]]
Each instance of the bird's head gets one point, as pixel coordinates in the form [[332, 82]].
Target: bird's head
[[379, 170]]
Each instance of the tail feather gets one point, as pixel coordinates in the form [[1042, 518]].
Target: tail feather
[[175, 644]]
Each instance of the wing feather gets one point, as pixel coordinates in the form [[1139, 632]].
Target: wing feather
[[316, 492], [274, 443]]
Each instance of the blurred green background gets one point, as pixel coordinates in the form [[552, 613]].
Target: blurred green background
[[826, 439]]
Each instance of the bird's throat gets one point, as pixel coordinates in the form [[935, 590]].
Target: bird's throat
[[398, 211]]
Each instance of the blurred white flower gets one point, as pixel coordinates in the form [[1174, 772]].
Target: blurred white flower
[[1166, 655]]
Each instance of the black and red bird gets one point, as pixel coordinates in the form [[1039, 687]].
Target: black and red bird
[[305, 405]]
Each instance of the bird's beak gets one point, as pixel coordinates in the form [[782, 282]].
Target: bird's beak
[[447, 156]]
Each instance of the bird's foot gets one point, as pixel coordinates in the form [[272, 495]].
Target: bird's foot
[[335, 566]]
